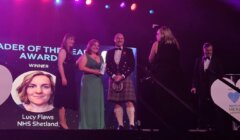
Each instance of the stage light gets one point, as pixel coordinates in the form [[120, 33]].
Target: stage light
[[133, 6], [107, 6], [151, 11], [58, 1], [88, 2], [76, 0], [123, 4]]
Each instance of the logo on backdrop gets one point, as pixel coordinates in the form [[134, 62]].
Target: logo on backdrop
[[234, 96], [226, 97]]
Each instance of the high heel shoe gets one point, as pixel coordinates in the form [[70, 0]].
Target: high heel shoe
[[131, 127], [62, 127], [120, 127]]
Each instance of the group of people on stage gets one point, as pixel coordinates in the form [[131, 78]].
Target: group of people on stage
[[119, 66], [164, 57]]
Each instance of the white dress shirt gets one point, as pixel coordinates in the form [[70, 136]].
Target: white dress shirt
[[206, 62], [117, 56]]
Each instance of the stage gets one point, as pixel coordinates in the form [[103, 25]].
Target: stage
[[145, 134]]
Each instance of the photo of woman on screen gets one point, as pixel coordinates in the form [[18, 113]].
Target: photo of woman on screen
[[36, 92]]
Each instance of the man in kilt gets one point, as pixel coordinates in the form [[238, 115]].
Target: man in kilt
[[120, 64]]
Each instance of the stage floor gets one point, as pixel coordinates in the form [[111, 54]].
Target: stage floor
[[144, 134]]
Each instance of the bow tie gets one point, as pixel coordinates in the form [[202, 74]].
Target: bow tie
[[119, 49], [207, 57]]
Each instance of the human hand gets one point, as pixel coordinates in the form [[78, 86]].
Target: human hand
[[97, 72], [64, 81], [194, 90], [118, 78]]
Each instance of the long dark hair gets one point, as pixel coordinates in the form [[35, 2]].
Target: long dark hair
[[63, 44]]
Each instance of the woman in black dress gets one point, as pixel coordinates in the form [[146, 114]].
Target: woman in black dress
[[165, 61], [66, 91], [165, 57]]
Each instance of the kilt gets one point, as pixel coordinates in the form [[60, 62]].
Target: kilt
[[127, 94]]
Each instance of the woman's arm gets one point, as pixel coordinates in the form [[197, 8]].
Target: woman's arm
[[153, 52], [82, 66], [61, 58]]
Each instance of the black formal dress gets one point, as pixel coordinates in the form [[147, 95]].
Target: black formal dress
[[166, 70], [66, 96], [166, 65]]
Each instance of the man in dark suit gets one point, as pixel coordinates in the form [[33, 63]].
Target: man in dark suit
[[120, 64], [207, 69]]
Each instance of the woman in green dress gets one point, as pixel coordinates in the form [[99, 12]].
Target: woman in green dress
[[91, 97]]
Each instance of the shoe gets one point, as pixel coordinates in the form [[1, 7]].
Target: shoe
[[120, 127], [131, 127], [62, 127]]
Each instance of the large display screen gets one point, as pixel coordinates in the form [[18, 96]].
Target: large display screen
[[19, 60]]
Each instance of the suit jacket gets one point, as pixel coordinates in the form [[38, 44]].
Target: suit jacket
[[204, 79], [126, 65]]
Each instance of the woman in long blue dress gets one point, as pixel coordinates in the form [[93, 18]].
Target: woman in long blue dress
[[91, 97]]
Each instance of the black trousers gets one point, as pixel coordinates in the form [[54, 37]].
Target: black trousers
[[206, 113], [211, 116]]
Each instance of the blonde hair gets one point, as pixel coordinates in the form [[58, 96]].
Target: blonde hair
[[167, 36], [22, 89]]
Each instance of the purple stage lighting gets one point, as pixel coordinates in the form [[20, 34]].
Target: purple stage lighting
[[123, 4], [107, 6], [19, 0], [58, 1], [234, 3], [88, 2], [151, 11], [45, 1], [133, 6]]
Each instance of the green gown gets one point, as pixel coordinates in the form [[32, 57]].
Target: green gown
[[92, 98]]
